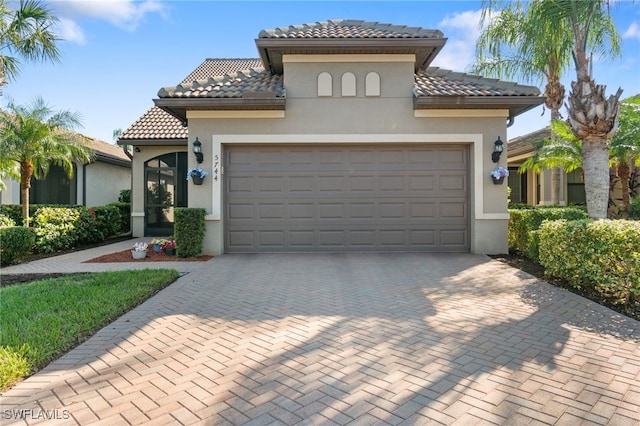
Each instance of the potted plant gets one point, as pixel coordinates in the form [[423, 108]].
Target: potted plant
[[197, 175], [498, 174], [158, 243], [139, 250], [170, 247]]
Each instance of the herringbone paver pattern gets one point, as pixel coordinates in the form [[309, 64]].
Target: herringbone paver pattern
[[324, 339]]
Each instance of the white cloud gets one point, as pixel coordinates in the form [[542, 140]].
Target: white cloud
[[125, 14], [633, 31], [462, 30], [69, 30]]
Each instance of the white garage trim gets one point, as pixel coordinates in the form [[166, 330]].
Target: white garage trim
[[475, 140]]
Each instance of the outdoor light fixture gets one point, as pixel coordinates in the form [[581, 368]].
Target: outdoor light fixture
[[498, 146], [197, 150]]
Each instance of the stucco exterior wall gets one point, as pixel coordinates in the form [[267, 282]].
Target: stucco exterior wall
[[387, 118], [102, 183]]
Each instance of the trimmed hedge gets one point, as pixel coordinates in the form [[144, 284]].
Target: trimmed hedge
[[188, 231], [524, 224], [108, 220], [15, 243], [6, 221], [603, 254], [124, 226]]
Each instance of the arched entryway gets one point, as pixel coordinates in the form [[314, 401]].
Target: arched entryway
[[165, 188]]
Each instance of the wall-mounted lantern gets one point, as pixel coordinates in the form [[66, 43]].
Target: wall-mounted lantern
[[498, 147], [197, 150]]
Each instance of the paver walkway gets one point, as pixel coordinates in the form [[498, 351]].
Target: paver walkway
[[348, 339]]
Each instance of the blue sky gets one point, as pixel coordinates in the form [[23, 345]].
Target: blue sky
[[117, 54]]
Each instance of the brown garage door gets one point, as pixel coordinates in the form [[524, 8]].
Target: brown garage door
[[346, 198]]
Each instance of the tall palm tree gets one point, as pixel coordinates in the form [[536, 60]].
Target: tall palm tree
[[34, 137], [509, 47], [625, 146], [27, 33], [593, 116], [575, 27]]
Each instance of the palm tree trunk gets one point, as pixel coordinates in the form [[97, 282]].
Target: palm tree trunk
[[26, 171], [623, 173], [595, 162], [554, 97]]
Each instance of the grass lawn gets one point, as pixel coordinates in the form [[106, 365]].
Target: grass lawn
[[42, 320]]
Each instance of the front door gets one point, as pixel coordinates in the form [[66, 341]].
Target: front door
[[165, 189]]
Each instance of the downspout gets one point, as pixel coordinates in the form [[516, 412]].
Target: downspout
[[510, 121], [84, 185]]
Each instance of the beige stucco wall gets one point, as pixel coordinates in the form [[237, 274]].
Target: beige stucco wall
[[11, 195], [386, 118], [102, 183]]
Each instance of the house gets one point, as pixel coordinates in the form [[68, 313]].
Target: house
[[339, 137], [535, 188], [92, 184]]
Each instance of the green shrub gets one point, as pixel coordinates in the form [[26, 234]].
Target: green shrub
[[125, 196], [6, 221], [124, 226], [12, 211], [108, 220], [634, 208], [15, 243], [55, 228], [603, 255], [189, 231], [524, 223]]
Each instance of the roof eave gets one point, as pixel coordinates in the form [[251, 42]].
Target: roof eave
[[515, 104], [272, 49], [110, 159], [178, 107]]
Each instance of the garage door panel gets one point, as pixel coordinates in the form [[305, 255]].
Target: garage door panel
[[319, 198]]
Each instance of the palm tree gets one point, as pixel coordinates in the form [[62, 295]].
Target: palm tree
[[625, 146], [27, 33], [560, 151], [509, 47], [34, 137], [593, 116], [574, 27]]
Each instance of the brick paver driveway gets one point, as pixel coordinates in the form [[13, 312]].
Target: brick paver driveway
[[342, 338]]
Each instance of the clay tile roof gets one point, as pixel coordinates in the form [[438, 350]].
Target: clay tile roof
[[439, 82], [158, 124], [212, 67], [349, 28], [232, 85], [155, 124]]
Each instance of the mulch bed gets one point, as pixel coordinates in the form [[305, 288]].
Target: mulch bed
[[152, 256]]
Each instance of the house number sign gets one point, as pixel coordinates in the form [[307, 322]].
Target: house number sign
[[216, 159]]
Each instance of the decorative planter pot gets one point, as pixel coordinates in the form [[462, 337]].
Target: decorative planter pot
[[197, 180], [157, 248], [138, 254], [497, 181], [169, 251]]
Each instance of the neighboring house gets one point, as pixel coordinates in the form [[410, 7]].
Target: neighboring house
[[535, 188], [340, 137], [92, 184]]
